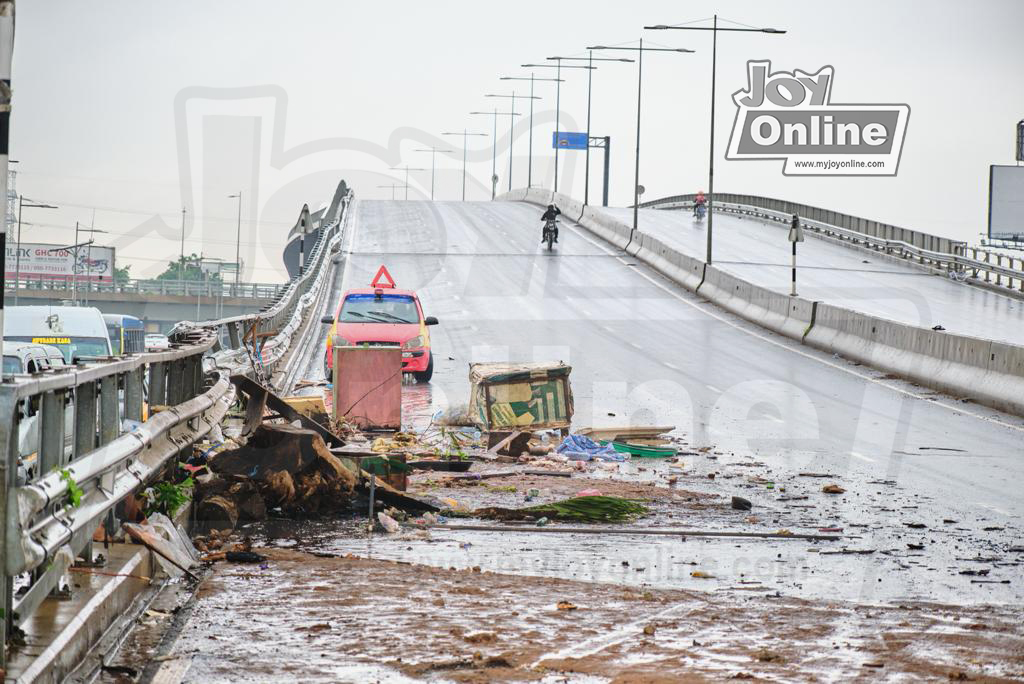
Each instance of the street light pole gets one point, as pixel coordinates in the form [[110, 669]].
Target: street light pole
[[238, 238], [558, 99], [407, 169], [433, 165], [639, 90], [17, 256], [494, 148], [714, 28], [181, 263], [532, 80], [590, 59], [511, 128], [465, 143]]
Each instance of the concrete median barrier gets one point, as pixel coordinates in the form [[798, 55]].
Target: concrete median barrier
[[984, 371]]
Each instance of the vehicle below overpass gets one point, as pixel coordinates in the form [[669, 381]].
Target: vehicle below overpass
[[160, 304]]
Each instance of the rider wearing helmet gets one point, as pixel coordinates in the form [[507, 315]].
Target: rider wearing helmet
[[551, 214], [699, 201]]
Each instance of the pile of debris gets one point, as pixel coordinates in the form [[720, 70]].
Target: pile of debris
[[281, 467]]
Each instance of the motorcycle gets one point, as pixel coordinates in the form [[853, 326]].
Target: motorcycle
[[699, 211], [549, 233]]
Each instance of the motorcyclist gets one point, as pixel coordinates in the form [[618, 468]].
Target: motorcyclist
[[699, 201], [550, 214]]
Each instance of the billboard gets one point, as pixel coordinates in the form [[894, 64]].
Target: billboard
[[569, 141], [58, 261], [1006, 203]]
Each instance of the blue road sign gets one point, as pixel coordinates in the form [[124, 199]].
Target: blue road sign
[[569, 141]]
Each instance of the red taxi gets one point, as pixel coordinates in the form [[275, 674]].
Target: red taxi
[[382, 315]]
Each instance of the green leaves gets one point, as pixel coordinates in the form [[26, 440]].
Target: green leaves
[[74, 491]]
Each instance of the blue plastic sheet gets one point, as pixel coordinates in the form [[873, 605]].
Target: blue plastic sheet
[[581, 448]]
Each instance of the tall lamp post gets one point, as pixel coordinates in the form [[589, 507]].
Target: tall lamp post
[[639, 90], [590, 59], [714, 28], [465, 140], [494, 147], [511, 127], [407, 169], [529, 156], [22, 203], [392, 186], [238, 238], [433, 165], [558, 98]]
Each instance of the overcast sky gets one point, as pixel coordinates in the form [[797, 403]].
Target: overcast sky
[[134, 109]]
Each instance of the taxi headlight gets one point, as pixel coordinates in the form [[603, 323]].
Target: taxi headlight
[[413, 343], [339, 341]]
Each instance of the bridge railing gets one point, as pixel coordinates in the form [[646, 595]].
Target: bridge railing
[[957, 259], [92, 447], [877, 229], [182, 288]]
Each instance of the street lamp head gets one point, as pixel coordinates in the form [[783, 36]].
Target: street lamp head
[[772, 30], [657, 27]]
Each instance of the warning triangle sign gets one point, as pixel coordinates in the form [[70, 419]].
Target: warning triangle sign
[[383, 279]]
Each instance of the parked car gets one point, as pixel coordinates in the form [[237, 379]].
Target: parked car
[[157, 342]]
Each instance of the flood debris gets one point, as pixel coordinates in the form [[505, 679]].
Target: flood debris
[[833, 489], [577, 509]]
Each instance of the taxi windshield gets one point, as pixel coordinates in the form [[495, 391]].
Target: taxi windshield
[[389, 308]]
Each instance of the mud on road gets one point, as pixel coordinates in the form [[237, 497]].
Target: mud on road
[[316, 619]]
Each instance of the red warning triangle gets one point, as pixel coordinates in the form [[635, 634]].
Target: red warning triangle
[[387, 281]]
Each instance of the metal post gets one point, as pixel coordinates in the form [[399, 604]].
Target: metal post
[[636, 174], [17, 256], [181, 263], [433, 164], [711, 162], [607, 165], [792, 292], [74, 270], [511, 131], [494, 157], [133, 395], [51, 431], [406, 182], [85, 419], [465, 143], [6, 58], [558, 112], [8, 481], [590, 79], [158, 384], [238, 241], [110, 410], [529, 156]]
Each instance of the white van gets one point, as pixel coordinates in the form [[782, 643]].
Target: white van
[[79, 332], [22, 358]]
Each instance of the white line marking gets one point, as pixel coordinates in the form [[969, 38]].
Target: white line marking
[[849, 371], [1000, 511], [862, 457]]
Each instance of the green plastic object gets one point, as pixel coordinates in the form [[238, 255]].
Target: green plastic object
[[643, 451]]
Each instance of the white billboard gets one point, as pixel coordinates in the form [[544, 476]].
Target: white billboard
[[58, 261], [1006, 203]]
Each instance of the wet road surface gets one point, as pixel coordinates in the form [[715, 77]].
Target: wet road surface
[[758, 251]]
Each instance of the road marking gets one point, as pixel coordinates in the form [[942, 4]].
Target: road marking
[[849, 371], [1000, 511], [862, 457]]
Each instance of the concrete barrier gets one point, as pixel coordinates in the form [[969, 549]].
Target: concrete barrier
[[984, 371]]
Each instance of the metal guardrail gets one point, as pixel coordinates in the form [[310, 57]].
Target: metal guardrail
[[989, 268], [51, 511], [857, 224], [182, 288]]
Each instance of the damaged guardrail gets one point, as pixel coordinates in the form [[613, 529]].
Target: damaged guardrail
[[107, 427]]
